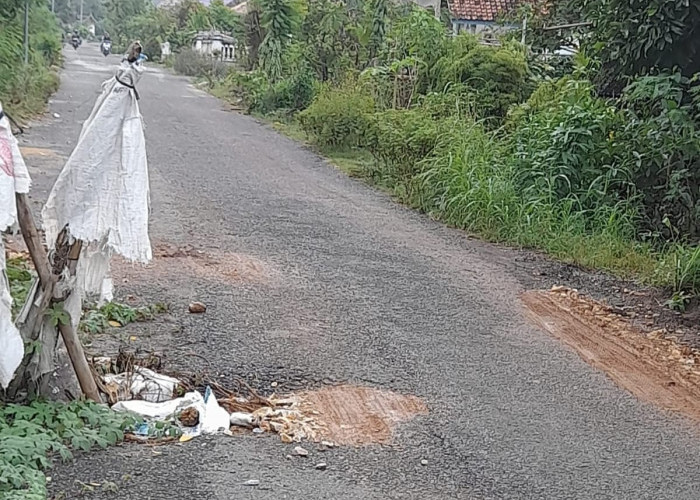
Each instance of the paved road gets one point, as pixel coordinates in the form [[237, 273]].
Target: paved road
[[350, 286]]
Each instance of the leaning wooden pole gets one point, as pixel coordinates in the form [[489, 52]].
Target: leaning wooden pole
[[47, 279]]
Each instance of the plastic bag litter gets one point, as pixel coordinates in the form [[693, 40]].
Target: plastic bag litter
[[216, 419], [213, 419], [144, 384], [14, 178]]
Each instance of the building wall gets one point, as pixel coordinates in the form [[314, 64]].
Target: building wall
[[479, 27]]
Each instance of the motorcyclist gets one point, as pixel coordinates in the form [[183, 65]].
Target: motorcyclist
[[75, 39]]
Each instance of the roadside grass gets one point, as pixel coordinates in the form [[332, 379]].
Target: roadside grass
[[354, 162], [494, 213]]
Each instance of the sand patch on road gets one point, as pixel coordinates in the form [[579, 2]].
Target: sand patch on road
[[649, 365], [359, 416]]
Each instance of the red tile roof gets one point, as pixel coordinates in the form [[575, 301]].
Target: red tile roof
[[481, 10]]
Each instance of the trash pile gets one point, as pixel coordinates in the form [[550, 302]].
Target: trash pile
[[188, 406]]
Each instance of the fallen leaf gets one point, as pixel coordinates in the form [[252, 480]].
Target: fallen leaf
[[115, 324]]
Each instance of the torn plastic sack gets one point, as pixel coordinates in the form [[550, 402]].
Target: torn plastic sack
[[144, 384], [102, 193], [14, 178]]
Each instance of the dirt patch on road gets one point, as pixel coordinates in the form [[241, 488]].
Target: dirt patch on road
[[650, 365], [206, 263], [32, 151], [359, 416]]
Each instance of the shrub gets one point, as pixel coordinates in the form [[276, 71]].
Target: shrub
[[661, 142], [499, 76], [190, 63], [564, 144], [400, 140], [338, 117]]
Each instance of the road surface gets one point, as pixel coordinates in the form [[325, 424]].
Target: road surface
[[341, 284]]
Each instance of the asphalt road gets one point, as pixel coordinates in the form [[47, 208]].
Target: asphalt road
[[350, 286]]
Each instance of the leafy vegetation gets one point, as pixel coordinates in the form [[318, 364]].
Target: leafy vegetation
[[32, 436], [24, 88], [116, 314]]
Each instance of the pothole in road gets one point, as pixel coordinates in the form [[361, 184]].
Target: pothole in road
[[212, 264], [359, 416], [652, 367]]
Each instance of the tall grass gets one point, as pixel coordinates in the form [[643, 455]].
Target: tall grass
[[471, 181]]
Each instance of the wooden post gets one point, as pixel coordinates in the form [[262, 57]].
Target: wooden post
[[41, 263]]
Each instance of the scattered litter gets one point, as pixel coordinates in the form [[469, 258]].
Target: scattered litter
[[258, 430], [56, 115], [240, 419], [301, 451], [197, 308], [211, 418], [424, 462], [273, 384], [321, 466], [252, 482], [327, 444]]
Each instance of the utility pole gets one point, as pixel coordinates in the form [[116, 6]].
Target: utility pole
[[81, 12], [26, 32], [53, 6]]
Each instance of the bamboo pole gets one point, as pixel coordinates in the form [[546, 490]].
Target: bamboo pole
[[41, 263]]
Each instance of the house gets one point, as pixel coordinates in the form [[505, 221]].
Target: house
[[479, 16], [215, 44]]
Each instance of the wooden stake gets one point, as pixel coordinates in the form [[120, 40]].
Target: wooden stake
[[41, 263]]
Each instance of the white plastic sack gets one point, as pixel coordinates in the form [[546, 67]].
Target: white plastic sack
[[102, 191], [11, 345], [14, 178]]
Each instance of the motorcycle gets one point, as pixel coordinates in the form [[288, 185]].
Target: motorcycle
[[75, 43], [106, 48]]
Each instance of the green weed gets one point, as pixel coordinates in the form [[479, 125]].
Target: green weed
[[98, 320], [32, 436]]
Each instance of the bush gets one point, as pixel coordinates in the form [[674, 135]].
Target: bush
[[400, 140], [338, 117], [564, 145], [661, 141], [499, 76], [189, 63]]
